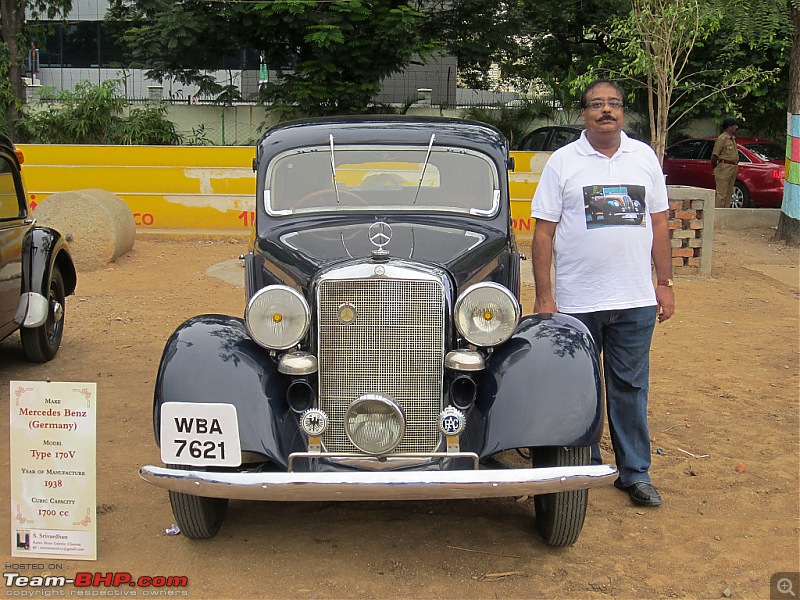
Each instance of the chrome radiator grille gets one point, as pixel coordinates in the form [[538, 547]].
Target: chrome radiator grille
[[394, 346]]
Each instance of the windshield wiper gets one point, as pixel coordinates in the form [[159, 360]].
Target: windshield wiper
[[425, 166], [333, 170]]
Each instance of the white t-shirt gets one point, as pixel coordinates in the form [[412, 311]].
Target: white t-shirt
[[604, 237]]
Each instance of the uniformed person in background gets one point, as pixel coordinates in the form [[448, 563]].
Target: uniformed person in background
[[725, 162]]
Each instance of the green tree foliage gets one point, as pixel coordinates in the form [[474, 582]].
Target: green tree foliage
[[94, 114], [330, 56], [179, 39], [653, 49], [547, 46], [561, 38], [545, 41], [148, 126], [752, 33], [14, 44], [478, 33]]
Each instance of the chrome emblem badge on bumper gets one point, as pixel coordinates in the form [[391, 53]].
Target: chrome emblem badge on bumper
[[314, 422], [452, 421]]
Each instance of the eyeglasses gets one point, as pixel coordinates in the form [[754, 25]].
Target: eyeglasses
[[599, 104]]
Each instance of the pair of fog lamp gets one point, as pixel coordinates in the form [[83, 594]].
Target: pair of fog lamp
[[375, 423]]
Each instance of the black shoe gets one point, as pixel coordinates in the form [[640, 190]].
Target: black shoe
[[641, 492]]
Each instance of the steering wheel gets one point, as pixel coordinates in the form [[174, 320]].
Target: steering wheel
[[309, 198]]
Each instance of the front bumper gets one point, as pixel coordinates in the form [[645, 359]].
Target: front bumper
[[398, 485]]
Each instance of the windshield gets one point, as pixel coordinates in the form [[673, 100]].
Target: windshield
[[770, 152], [384, 178]]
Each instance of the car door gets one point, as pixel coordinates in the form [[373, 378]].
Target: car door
[[683, 164], [13, 213], [702, 172]]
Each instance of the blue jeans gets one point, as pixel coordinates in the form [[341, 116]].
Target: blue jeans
[[623, 338]]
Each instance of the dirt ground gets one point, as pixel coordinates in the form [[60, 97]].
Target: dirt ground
[[725, 381]]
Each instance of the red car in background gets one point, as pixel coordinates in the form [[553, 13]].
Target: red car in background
[[759, 181]]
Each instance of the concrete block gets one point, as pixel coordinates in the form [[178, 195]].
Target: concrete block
[[745, 218]]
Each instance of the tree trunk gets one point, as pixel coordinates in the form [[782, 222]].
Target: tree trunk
[[789, 227], [12, 21]]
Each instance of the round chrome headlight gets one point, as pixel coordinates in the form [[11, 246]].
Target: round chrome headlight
[[375, 423], [486, 314], [277, 317]]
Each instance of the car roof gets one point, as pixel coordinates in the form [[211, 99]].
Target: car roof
[[575, 128], [739, 140], [373, 129]]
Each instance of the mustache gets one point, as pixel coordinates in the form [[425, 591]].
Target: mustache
[[606, 118]]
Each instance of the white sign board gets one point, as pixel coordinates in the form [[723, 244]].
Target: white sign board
[[53, 470]]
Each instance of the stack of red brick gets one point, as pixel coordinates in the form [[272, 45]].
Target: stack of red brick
[[686, 231]]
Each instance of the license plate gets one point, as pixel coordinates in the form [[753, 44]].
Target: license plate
[[203, 435]]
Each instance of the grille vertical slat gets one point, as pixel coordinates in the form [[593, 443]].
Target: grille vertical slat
[[395, 346]]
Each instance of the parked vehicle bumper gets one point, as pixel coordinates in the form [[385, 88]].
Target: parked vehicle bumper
[[768, 198], [359, 486]]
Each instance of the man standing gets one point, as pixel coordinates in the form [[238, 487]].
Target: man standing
[[601, 214], [725, 162]]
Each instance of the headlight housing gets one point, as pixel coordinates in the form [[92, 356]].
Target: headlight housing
[[375, 423], [486, 314], [277, 317]]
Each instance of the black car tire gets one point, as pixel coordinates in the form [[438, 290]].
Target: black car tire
[[198, 517], [741, 197], [560, 516], [41, 343]]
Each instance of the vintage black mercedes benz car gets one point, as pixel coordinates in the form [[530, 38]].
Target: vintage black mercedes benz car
[[382, 354], [36, 270]]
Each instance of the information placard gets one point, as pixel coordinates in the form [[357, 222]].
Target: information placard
[[53, 470]]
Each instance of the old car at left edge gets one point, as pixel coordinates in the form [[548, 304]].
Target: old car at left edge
[[36, 270], [382, 354]]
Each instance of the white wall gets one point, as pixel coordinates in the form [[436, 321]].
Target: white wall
[[88, 10]]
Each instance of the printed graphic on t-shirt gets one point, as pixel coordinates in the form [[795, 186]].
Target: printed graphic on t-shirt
[[614, 205]]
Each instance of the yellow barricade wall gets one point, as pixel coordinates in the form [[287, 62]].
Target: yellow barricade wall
[[179, 187]]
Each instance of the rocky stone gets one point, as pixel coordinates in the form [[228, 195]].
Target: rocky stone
[[97, 224]]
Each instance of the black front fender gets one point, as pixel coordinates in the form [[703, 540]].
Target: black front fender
[[541, 388], [43, 248], [211, 359]]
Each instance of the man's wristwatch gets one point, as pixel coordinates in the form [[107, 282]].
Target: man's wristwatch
[[665, 282]]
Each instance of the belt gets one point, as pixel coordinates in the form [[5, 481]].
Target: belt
[[728, 162]]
